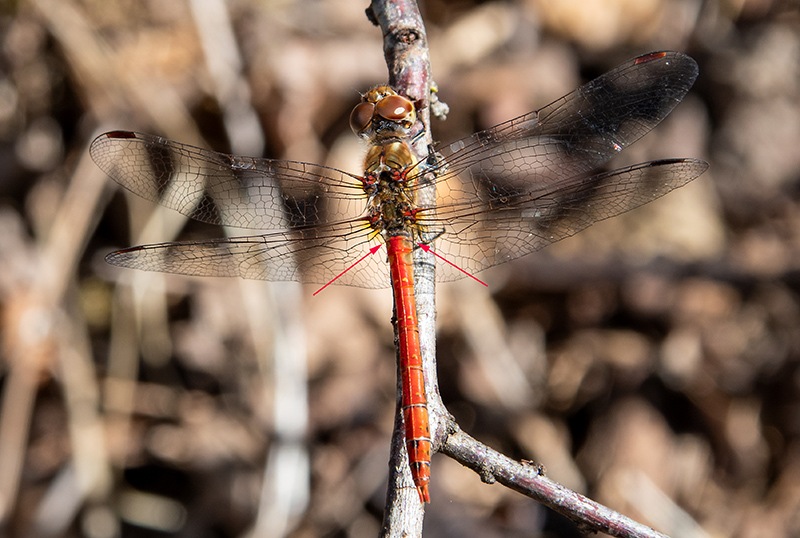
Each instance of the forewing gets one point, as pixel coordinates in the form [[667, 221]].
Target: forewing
[[242, 192], [573, 135]]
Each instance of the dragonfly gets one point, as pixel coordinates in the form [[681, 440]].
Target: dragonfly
[[501, 193]]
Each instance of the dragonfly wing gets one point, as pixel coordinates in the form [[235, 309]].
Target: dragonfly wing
[[522, 223], [576, 133], [313, 255], [243, 192]]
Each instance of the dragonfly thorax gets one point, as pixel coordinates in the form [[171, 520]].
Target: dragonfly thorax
[[391, 208]]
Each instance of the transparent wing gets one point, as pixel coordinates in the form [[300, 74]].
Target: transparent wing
[[242, 192], [313, 254], [502, 193], [525, 222], [315, 213], [575, 134], [521, 185]]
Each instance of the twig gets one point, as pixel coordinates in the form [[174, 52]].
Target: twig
[[529, 479], [405, 48]]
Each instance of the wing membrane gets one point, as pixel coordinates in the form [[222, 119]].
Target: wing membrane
[[314, 254], [502, 192], [577, 133], [530, 221], [242, 192]]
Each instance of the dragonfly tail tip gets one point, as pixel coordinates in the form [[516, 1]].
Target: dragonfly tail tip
[[423, 493]]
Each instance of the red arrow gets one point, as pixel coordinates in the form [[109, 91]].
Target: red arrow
[[427, 248], [373, 250]]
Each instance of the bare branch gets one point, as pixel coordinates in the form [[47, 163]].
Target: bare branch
[[529, 479]]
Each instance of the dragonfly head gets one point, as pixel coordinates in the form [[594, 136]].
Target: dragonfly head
[[383, 114]]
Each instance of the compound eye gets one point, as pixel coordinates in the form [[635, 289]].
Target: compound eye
[[361, 116], [395, 108]]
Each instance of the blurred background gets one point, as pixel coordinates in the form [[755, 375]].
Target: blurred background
[[651, 362]]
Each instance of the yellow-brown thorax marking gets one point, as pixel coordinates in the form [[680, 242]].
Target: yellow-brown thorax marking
[[391, 208]]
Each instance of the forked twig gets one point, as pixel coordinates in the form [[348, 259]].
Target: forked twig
[[530, 480]]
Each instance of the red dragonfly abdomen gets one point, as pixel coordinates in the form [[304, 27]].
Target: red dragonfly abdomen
[[412, 380]]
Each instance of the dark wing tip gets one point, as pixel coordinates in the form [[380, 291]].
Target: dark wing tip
[[119, 134], [649, 57], [97, 147], [120, 258], [698, 164], [685, 61]]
